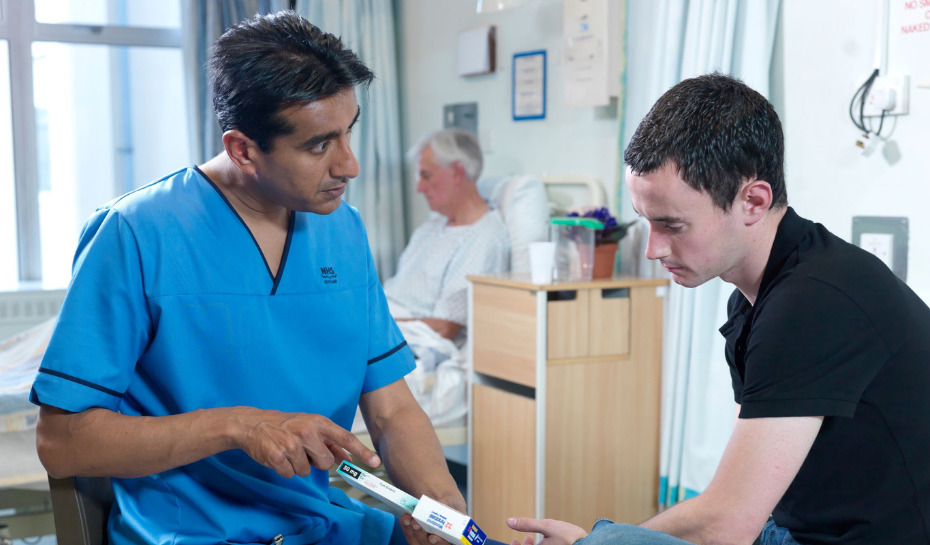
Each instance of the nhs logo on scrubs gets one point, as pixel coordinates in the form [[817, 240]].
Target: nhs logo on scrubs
[[328, 274]]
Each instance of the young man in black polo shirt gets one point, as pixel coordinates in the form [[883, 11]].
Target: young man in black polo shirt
[[829, 352]]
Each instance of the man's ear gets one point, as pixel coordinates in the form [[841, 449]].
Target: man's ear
[[755, 198], [459, 171], [241, 149]]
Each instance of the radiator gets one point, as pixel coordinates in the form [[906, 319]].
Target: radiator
[[20, 310]]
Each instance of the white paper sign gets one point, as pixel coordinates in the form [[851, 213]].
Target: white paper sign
[[529, 85], [586, 69]]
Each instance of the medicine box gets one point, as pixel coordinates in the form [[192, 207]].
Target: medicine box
[[398, 502], [447, 523]]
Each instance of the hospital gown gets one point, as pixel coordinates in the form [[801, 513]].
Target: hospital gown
[[430, 280]]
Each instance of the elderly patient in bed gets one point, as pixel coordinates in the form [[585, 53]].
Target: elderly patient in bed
[[463, 236], [428, 296]]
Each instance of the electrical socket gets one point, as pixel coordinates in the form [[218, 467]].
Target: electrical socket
[[884, 90], [885, 237], [881, 245]]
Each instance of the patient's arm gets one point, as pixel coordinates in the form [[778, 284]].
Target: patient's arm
[[445, 328], [100, 442], [760, 462]]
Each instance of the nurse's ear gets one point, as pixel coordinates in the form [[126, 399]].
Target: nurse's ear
[[242, 150], [754, 200]]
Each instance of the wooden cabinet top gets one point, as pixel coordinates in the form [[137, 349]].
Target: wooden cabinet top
[[523, 281]]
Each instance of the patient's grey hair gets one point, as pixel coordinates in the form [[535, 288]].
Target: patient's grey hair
[[451, 146]]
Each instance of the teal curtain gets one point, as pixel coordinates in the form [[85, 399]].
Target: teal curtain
[[367, 27], [668, 41], [202, 22]]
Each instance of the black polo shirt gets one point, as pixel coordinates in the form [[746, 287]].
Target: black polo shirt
[[835, 333]]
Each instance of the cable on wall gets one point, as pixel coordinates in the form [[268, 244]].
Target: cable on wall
[[857, 115]]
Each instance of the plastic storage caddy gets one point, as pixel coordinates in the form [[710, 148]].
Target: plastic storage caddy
[[574, 247]]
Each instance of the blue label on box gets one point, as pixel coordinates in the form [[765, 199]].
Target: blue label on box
[[474, 535]]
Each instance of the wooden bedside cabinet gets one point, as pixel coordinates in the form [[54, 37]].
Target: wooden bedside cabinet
[[565, 398]]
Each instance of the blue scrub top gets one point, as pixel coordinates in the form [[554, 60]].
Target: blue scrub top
[[172, 308]]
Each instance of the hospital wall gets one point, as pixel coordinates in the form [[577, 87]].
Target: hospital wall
[[567, 141], [824, 51], [827, 49]]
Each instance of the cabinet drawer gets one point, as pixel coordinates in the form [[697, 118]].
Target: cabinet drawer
[[567, 327], [609, 322], [504, 333], [503, 458], [588, 323]]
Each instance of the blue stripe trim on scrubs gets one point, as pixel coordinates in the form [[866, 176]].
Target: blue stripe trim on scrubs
[[82, 382], [388, 353]]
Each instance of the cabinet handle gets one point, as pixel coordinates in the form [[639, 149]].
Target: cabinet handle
[[615, 293], [505, 385], [562, 295]]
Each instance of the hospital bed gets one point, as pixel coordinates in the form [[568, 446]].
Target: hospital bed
[[526, 204], [25, 506]]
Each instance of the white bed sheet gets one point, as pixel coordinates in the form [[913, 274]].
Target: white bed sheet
[[439, 382], [19, 359]]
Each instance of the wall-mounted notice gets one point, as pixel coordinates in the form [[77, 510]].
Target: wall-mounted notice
[[910, 17], [591, 71], [909, 38], [529, 86]]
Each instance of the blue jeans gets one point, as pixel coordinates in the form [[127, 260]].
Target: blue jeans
[[606, 532], [776, 535]]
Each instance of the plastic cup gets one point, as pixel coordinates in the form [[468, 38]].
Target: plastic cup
[[542, 257]]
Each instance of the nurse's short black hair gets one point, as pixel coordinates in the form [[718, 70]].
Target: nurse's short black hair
[[719, 132], [272, 62]]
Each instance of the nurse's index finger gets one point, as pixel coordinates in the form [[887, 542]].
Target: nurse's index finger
[[348, 441]]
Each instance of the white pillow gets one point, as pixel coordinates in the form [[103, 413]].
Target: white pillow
[[523, 203]]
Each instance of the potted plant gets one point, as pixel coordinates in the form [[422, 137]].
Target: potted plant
[[606, 239]]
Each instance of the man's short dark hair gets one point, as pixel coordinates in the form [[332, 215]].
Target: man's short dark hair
[[719, 132], [271, 62]]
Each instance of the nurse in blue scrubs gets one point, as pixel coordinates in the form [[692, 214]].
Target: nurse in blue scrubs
[[224, 322]]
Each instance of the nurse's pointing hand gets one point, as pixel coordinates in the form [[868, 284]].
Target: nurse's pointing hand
[[292, 443]]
